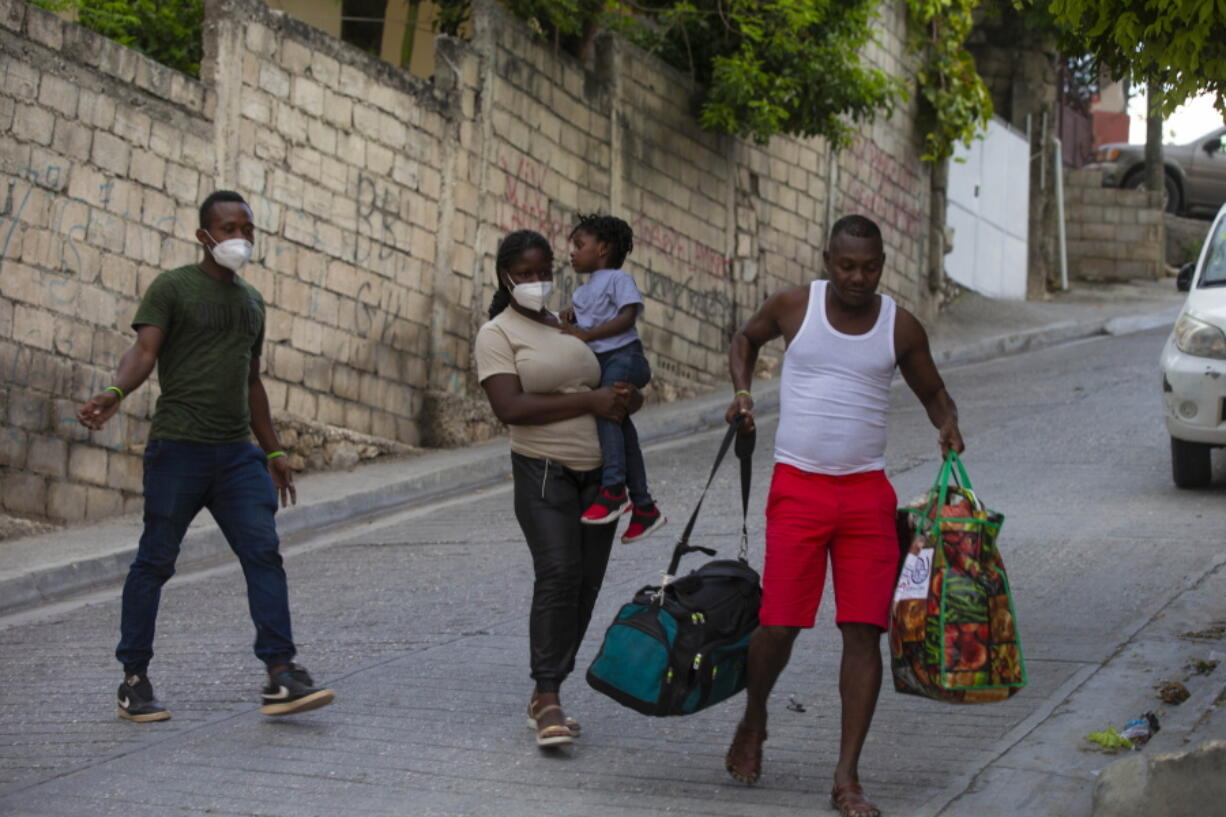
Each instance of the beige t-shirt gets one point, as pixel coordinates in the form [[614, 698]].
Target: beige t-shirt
[[546, 362]]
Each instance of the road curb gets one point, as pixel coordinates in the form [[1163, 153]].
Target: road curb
[[460, 470], [438, 474], [1142, 785], [1030, 340]]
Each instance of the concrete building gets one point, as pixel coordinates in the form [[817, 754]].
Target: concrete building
[[378, 27], [1110, 112]]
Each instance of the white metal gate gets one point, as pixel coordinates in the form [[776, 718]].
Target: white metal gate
[[988, 197]]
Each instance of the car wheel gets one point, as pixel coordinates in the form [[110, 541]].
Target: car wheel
[[1172, 201], [1190, 464], [1171, 192]]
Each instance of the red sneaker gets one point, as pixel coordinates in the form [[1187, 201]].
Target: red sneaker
[[642, 522], [607, 508]]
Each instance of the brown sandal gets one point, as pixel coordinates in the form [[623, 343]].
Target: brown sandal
[[849, 800], [571, 723], [744, 758], [556, 735]]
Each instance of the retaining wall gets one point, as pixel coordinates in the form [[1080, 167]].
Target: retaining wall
[[1113, 234]]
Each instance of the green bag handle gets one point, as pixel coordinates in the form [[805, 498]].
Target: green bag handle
[[952, 467]]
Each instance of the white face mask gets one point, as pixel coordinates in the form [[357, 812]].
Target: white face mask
[[532, 296], [231, 254]]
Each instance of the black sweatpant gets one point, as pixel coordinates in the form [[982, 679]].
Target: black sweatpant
[[569, 559]]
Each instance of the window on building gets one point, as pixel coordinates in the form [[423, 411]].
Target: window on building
[[362, 24]]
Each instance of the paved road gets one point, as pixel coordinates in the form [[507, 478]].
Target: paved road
[[419, 622]]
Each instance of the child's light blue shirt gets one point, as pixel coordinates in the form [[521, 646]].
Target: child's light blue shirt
[[600, 299]]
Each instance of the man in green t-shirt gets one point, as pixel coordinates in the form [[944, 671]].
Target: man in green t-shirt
[[203, 326]]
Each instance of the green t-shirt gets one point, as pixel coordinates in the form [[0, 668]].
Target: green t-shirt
[[213, 329]]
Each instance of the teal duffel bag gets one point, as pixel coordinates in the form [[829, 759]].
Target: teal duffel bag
[[684, 646]]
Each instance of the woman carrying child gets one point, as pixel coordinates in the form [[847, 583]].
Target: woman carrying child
[[547, 388], [603, 313]]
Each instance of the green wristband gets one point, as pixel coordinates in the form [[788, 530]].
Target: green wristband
[[745, 392], [115, 389], [272, 455]]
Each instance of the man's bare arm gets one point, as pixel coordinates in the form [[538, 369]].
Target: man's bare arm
[[266, 435], [920, 371], [762, 327], [134, 369]]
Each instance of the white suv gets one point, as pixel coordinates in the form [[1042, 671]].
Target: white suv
[[1194, 364]]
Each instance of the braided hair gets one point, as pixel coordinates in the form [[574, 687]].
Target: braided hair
[[612, 231], [509, 250]]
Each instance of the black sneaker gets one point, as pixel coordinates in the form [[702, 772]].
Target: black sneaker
[[291, 691], [136, 701]]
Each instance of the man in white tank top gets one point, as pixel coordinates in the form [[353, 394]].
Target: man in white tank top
[[829, 497]]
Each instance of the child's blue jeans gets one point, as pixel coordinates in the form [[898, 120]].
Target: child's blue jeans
[[619, 442]]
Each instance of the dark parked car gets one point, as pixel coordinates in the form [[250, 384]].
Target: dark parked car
[[1195, 173]]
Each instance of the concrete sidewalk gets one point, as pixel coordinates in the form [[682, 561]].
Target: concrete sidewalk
[[56, 565]]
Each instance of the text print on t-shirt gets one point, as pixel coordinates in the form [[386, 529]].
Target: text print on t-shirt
[[222, 318]]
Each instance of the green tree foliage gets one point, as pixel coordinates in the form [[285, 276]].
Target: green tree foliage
[[779, 66], [452, 15], [794, 66], [169, 32], [1177, 47], [557, 18], [957, 104]]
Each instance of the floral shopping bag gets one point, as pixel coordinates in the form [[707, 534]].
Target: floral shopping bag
[[953, 629]]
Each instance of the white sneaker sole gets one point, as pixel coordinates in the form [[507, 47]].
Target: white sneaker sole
[[305, 704], [150, 718], [611, 518], [661, 522]]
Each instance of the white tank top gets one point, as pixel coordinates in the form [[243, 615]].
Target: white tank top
[[835, 393]]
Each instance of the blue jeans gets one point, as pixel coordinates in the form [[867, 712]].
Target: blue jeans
[[619, 442], [232, 481]]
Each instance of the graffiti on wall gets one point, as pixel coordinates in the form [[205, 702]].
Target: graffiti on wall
[[711, 304], [59, 275], [525, 206], [51, 179], [378, 208], [683, 250], [885, 188]]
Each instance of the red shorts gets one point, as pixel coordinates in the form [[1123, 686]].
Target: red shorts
[[850, 516]]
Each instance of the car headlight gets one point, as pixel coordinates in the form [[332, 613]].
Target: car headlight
[[1195, 337], [1106, 154]]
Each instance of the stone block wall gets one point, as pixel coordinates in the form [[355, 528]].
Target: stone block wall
[[1184, 238], [379, 200], [103, 155], [1113, 234], [340, 158]]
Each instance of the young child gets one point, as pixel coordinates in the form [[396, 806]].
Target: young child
[[604, 309]]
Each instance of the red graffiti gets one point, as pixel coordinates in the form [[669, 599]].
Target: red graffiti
[[884, 188], [526, 207], [681, 248]]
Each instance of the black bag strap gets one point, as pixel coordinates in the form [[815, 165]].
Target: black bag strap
[[744, 452]]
